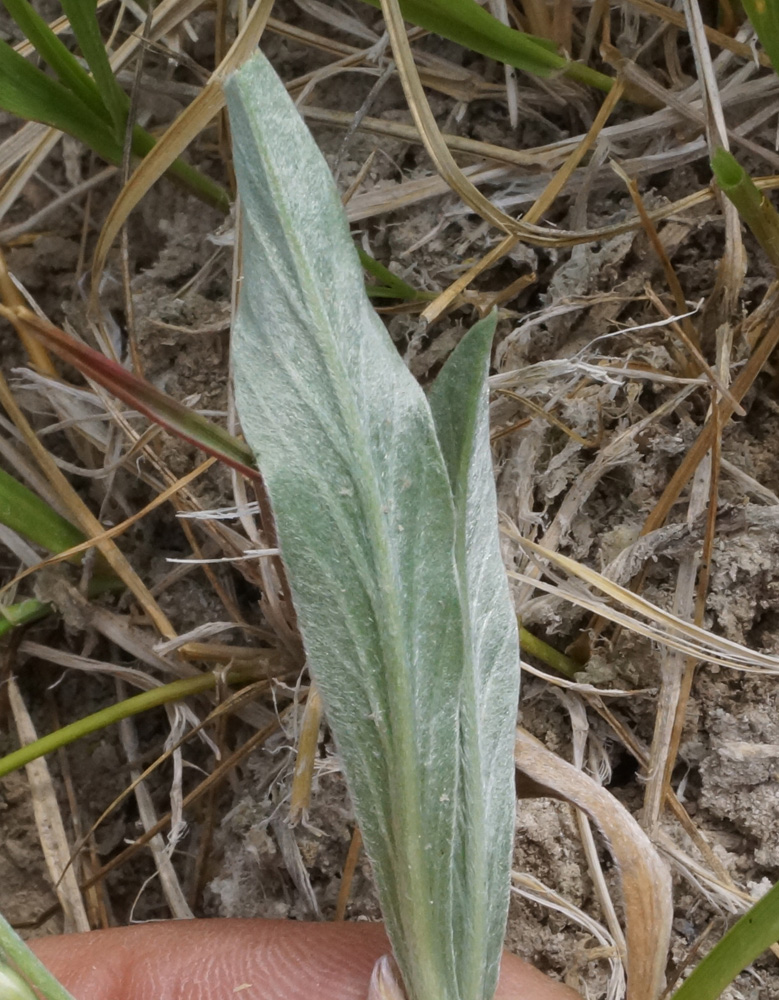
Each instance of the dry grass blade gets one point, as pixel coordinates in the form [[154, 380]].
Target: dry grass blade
[[12, 299], [534, 213], [733, 264], [308, 739], [427, 126], [543, 158], [539, 411], [580, 729], [432, 312], [169, 882], [166, 17], [51, 829], [220, 771], [117, 530], [677, 18], [230, 705], [646, 883], [178, 136], [673, 668], [668, 628], [531, 888], [350, 866], [618, 451], [669, 737], [82, 515], [431, 136], [14, 185], [703, 442]]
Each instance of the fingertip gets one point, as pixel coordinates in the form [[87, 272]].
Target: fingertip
[[248, 959]]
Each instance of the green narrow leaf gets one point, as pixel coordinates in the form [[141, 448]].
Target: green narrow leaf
[[162, 694], [748, 938], [764, 16], [348, 451], [23, 613], [393, 287], [29, 93], [473, 27], [92, 112], [490, 690], [55, 53], [24, 512], [82, 15]]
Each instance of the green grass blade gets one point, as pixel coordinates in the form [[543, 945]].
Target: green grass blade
[[754, 206], [92, 112], [33, 610], [29, 93], [16, 953], [82, 15], [163, 694], [468, 24], [531, 645], [24, 512], [347, 447], [393, 287], [23, 613], [748, 938], [764, 17], [55, 53], [490, 690]]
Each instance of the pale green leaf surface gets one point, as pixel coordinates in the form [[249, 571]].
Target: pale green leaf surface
[[347, 447], [490, 689]]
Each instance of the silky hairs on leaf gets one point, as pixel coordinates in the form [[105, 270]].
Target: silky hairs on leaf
[[368, 529]]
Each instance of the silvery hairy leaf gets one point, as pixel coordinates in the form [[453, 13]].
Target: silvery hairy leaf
[[490, 679], [371, 531]]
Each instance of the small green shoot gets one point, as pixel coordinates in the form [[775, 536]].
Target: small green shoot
[[754, 207]]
